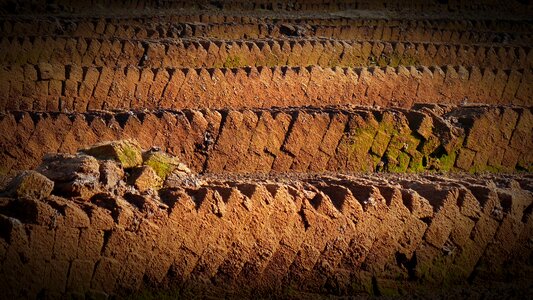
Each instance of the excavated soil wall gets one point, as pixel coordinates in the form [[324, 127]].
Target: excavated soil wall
[[199, 59], [266, 149], [373, 235], [428, 137]]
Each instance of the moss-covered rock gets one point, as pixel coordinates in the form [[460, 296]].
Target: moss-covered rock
[[447, 161], [430, 144], [416, 164], [164, 164], [355, 146], [381, 140], [401, 163], [128, 153]]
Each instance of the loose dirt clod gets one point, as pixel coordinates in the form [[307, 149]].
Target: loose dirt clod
[[145, 178], [73, 175], [111, 174], [30, 184]]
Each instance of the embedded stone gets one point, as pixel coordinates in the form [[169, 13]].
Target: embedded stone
[[126, 152]]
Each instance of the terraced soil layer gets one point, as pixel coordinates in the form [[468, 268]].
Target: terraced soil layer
[[278, 236], [74, 88], [178, 60], [198, 53], [358, 139]]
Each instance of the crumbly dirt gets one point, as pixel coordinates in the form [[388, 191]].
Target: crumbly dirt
[[284, 235]]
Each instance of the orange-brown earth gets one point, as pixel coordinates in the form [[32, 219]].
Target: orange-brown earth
[[348, 139], [297, 149], [90, 227]]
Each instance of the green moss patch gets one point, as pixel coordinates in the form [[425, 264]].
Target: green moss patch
[[232, 62], [163, 164], [126, 152]]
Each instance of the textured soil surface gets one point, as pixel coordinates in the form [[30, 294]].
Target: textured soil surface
[[304, 149], [350, 139], [284, 235]]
